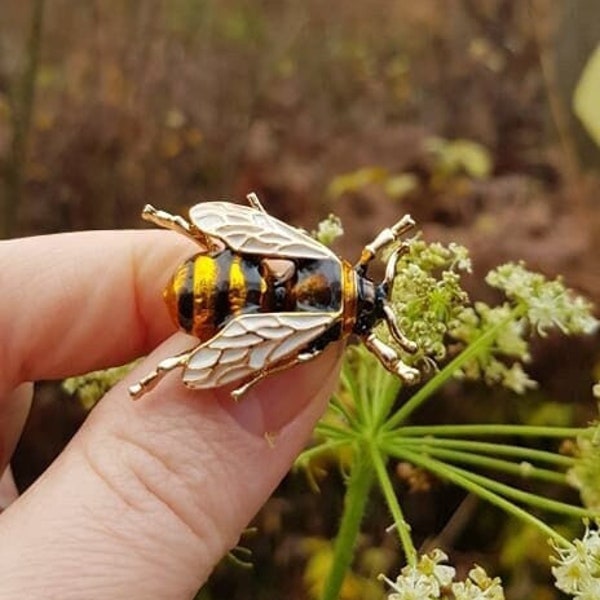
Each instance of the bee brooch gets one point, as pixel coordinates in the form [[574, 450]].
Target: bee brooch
[[262, 296]]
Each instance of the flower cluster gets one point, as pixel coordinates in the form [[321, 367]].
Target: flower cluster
[[328, 230], [500, 360], [431, 580], [427, 295], [534, 303], [547, 304], [577, 570], [585, 473]]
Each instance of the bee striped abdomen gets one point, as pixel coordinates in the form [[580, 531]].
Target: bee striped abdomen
[[208, 289]]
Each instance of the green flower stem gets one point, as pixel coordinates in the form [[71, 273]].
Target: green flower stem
[[523, 470], [525, 497], [334, 432], [342, 411], [392, 501], [444, 472], [360, 483], [524, 453], [470, 352], [307, 455], [388, 392], [362, 393], [492, 429]]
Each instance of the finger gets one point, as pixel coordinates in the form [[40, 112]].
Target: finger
[[13, 413], [150, 494], [8, 489], [82, 301]]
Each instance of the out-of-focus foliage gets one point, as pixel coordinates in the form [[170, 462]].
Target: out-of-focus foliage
[[450, 164], [355, 586], [455, 157], [90, 387], [586, 100]]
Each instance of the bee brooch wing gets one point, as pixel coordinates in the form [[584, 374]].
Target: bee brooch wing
[[248, 230], [250, 344]]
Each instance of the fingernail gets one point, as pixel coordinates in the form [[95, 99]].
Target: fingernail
[[272, 403]]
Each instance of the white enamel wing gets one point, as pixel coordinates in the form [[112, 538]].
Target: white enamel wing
[[248, 230], [252, 343]]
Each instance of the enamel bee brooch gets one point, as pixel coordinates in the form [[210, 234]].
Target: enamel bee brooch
[[261, 296]]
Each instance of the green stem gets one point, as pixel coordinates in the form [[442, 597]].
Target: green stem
[[361, 400], [392, 501], [334, 432], [443, 472], [389, 393], [499, 449], [337, 405], [523, 470], [307, 455], [359, 486], [470, 352], [491, 429], [525, 497]]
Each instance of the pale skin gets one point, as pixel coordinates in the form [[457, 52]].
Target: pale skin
[[149, 495]]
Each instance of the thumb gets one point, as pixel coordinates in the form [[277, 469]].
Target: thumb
[[149, 495]]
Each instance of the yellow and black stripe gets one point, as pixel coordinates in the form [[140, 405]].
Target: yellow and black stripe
[[208, 289]]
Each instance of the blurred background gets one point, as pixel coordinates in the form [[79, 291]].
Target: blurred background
[[479, 117]]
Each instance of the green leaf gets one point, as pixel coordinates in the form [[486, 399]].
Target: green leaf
[[586, 99]]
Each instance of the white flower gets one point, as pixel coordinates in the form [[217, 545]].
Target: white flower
[[548, 304], [329, 230], [412, 585], [425, 580], [517, 380], [578, 567], [479, 586]]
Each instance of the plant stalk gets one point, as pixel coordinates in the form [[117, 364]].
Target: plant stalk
[[357, 494]]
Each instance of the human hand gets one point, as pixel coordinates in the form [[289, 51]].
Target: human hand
[[149, 495]]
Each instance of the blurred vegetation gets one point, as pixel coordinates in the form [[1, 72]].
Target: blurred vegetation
[[476, 116]]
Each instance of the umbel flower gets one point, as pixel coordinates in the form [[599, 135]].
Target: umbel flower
[[431, 580], [577, 569]]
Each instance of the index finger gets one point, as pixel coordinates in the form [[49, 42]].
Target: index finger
[[82, 301]]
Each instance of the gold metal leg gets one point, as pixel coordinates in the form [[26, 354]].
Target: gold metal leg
[[296, 360], [383, 239], [164, 219], [146, 383], [390, 360], [254, 202], [396, 332], [390, 267]]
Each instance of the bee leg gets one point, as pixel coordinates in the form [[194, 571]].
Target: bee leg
[[390, 360], [395, 331], [390, 267], [302, 357], [164, 219], [146, 383], [254, 202], [383, 239]]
